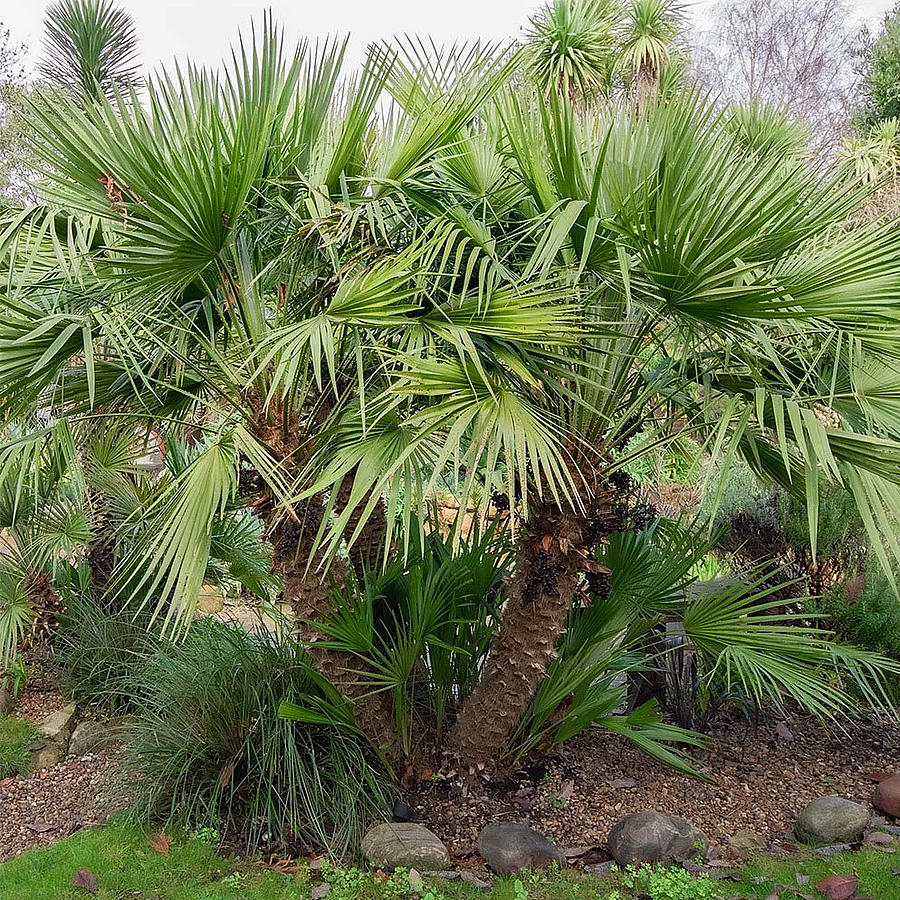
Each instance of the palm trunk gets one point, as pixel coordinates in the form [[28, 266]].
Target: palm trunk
[[539, 598], [310, 597], [308, 591], [647, 86], [367, 551]]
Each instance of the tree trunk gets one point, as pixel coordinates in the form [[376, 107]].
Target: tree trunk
[[539, 598], [310, 597], [367, 551], [647, 86], [307, 589]]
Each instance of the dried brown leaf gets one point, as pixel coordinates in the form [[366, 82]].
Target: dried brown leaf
[[85, 879], [161, 843], [838, 887]]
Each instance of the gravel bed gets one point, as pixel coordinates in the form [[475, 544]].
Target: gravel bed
[[762, 778], [46, 806], [36, 705]]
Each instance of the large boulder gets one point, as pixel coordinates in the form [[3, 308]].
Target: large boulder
[[57, 727], [831, 820], [651, 836], [508, 848], [405, 844], [87, 737], [887, 796]]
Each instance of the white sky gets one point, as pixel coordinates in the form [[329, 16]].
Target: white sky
[[202, 30]]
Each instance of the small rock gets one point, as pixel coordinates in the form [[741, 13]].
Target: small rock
[[402, 811], [831, 820], [58, 725], [622, 783], [508, 848], [604, 868], [784, 732], [7, 702], [887, 796], [745, 842], [879, 838], [318, 891], [404, 844], [833, 849], [472, 879], [47, 755], [653, 837], [87, 737]]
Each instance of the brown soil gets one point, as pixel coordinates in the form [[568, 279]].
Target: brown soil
[[761, 781]]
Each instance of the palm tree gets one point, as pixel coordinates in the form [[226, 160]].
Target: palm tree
[[90, 48], [648, 44], [572, 46], [337, 306]]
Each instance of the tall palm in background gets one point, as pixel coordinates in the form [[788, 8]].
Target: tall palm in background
[[90, 48], [338, 306], [649, 42], [603, 49]]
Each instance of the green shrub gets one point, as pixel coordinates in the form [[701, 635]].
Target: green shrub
[[14, 678], [871, 619], [761, 522], [98, 649], [211, 750], [669, 883], [15, 736]]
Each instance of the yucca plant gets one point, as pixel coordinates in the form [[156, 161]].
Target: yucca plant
[[651, 33], [341, 306]]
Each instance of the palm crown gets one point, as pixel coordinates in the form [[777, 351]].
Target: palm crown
[[474, 282]]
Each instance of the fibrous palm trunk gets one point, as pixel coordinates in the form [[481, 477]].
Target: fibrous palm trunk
[[311, 599], [539, 598], [305, 585], [366, 552]]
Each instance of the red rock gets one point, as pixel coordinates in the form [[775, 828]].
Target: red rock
[[887, 796]]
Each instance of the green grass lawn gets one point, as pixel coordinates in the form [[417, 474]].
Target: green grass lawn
[[15, 736], [126, 867]]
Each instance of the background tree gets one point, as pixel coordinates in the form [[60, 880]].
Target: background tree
[[13, 88], [604, 49], [881, 72], [650, 39], [794, 55]]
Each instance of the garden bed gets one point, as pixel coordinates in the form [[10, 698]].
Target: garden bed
[[763, 777], [45, 806]]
